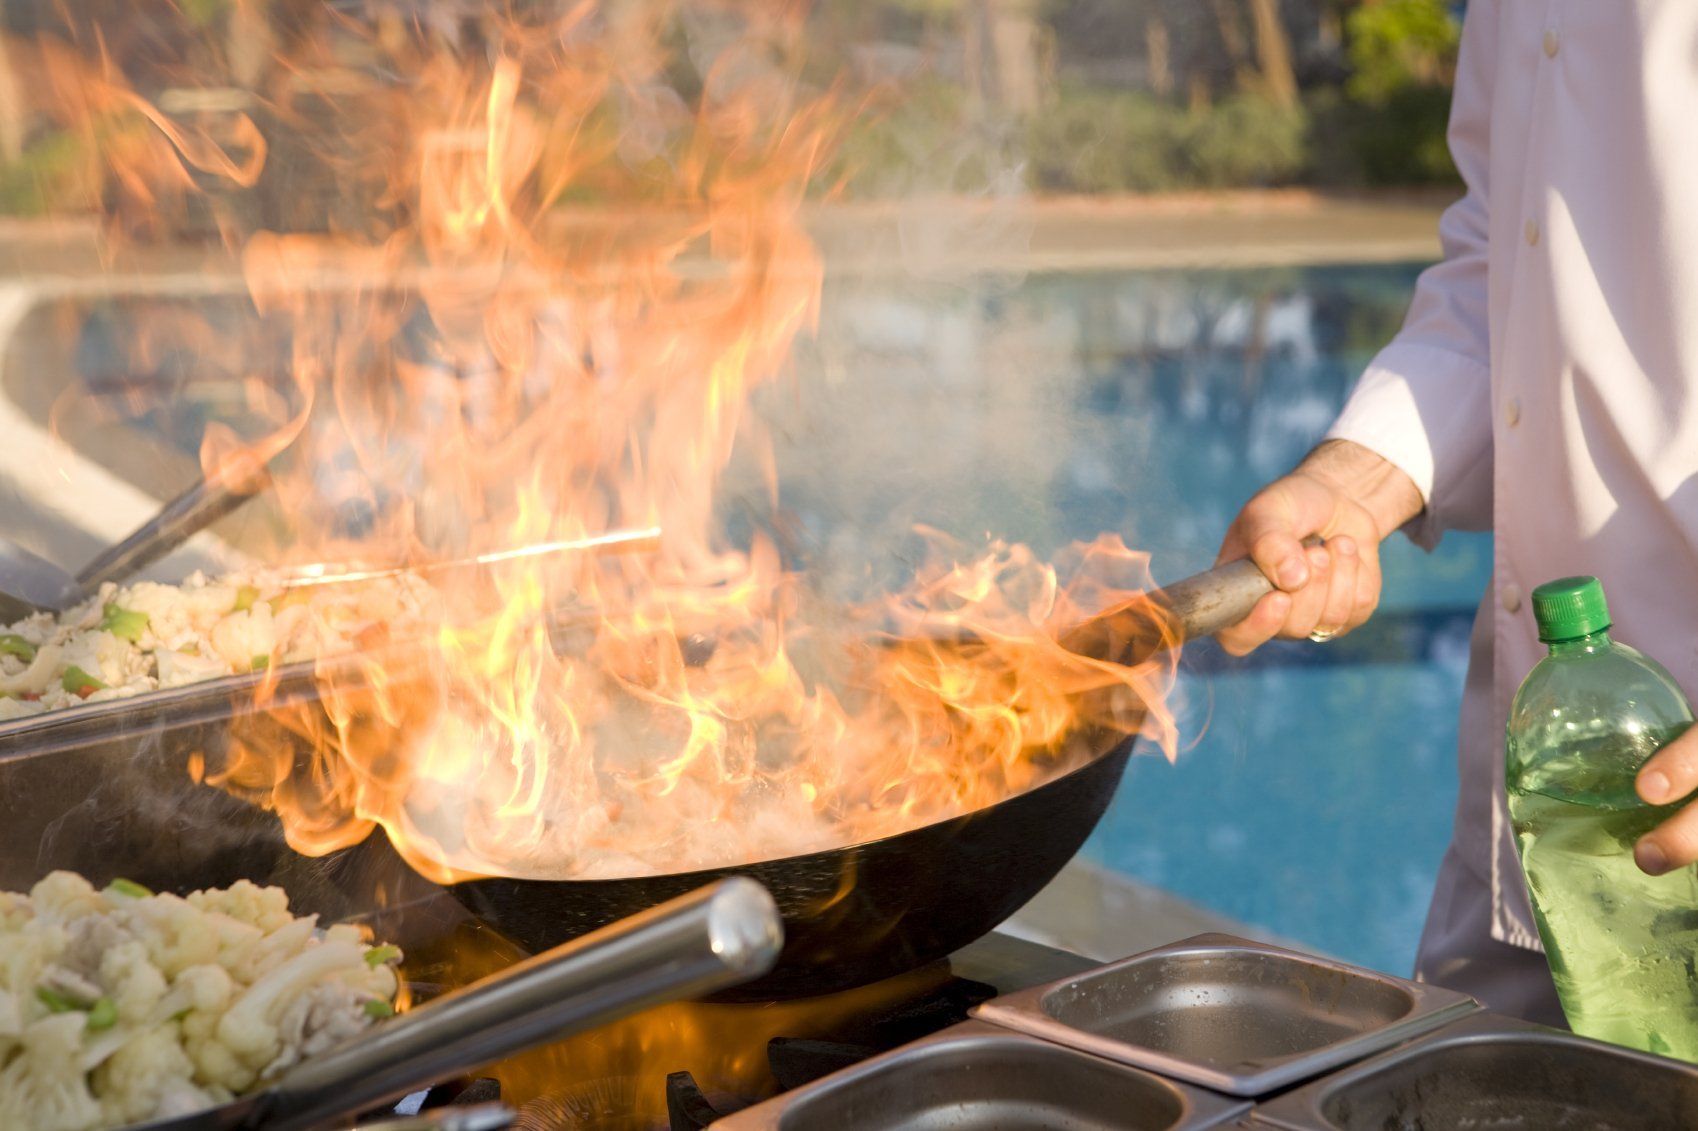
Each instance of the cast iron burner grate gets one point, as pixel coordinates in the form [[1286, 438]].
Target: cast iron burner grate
[[796, 1061]]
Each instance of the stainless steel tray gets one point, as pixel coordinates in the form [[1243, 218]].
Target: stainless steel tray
[[1240, 1017], [975, 1077], [1494, 1073]]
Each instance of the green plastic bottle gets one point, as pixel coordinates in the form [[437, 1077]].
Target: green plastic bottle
[[1621, 944]]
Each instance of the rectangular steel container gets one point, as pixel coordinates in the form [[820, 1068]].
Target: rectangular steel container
[[975, 1077], [1493, 1073], [1239, 1017], [117, 789]]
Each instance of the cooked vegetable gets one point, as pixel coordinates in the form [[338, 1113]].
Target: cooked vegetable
[[79, 682], [11, 644], [103, 1014], [121, 886], [381, 954], [126, 624], [147, 636], [121, 1006]]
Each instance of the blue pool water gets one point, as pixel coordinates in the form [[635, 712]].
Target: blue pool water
[[1313, 799]]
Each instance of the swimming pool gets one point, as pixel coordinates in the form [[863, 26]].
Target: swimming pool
[[1314, 797]]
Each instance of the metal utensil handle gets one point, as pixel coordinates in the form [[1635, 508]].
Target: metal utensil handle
[[480, 1117], [179, 520], [1207, 602], [719, 936]]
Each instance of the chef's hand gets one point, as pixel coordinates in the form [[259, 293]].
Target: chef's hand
[[1666, 777], [1349, 496]]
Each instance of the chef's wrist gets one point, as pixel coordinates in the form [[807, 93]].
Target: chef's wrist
[[1374, 483]]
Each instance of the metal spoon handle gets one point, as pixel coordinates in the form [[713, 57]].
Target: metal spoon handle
[[179, 520], [719, 936]]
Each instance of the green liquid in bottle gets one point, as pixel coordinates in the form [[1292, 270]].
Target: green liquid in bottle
[[1622, 945]]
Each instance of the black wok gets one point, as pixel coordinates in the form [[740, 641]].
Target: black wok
[[857, 914]]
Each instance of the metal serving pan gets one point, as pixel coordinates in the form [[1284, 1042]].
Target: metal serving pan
[[1240, 1017], [975, 1077], [1493, 1073]]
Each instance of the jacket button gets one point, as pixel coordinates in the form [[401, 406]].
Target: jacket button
[[1511, 598], [1512, 411], [1552, 43], [1532, 232]]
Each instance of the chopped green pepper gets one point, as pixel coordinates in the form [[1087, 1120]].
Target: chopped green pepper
[[128, 887], [377, 1007], [79, 682], [260, 663], [57, 1002], [103, 1014], [245, 598], [125, 623], [11, 644], [378, 955]]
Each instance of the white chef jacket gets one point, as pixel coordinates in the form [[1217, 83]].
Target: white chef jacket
[[1545, 383]]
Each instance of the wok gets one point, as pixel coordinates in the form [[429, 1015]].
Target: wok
[[869, 911], [702, 941]]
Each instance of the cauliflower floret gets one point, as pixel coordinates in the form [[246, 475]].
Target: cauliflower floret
[[27, 953], [136, 1080], [124, 1006], [11, 1019], [63, 896], [175, 934], [178, 668], [15, 911], [246, 902], [242, 637], [43, 1088], [135, 985]]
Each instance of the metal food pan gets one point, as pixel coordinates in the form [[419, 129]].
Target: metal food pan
[[1493, 1073], [1240, 1017], [112, 789], [975, 1077]]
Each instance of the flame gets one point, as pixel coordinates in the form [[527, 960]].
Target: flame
[[607, 1076], [484, 369]]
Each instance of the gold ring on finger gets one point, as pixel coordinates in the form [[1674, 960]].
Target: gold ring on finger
[[1322, 635]]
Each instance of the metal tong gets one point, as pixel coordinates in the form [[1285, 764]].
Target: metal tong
[[31, 584]]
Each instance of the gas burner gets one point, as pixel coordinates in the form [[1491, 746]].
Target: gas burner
[[796, 1061]]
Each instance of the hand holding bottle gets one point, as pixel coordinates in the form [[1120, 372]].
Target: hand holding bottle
[[1667, 776]]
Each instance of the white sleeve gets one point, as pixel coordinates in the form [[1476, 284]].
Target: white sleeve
[[1424, 403]]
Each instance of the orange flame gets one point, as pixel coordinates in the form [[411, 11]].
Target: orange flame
[[481, 361]]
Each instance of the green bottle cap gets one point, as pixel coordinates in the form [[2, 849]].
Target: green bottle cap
[[1569, 608]]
